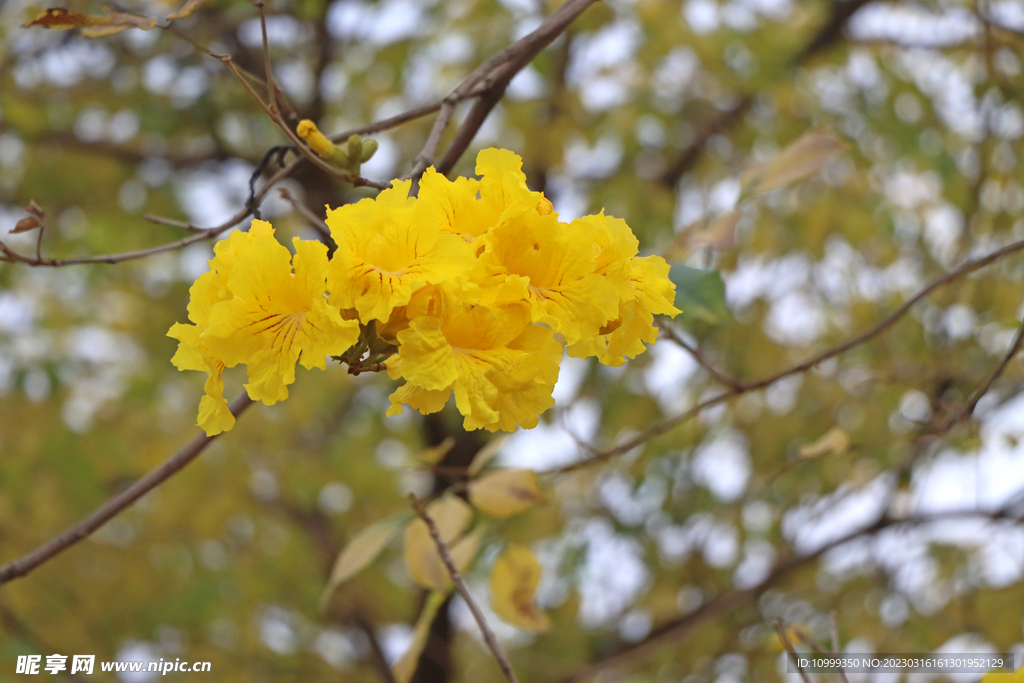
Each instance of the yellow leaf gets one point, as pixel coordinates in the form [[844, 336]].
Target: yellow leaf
[[185, 10], [406, 666], [485, 454], [433, 455], [514, 580], [358, 553], [834, 440], [101, 31], [803, 157], [505, 493], [451, 516]]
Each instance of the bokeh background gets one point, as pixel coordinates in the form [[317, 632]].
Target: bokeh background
[[649, 109]]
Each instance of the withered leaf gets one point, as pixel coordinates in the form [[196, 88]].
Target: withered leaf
[[26, 224], [34, 209], [61, 18]]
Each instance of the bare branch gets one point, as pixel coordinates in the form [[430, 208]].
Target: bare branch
[[719, 376], [315, 221], [488, 81], [673, 630], [820, 649], [115, 505], [744, 387], [780, 628], [460, 586]]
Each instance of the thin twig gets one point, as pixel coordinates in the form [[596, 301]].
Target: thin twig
[[821, 649], [675, 629], [271, 96], [460, 586], [780, 628], [722, 378], [377, 656], [968, 408], [964, 269], [161, 220], [115, 505], [315, 221]]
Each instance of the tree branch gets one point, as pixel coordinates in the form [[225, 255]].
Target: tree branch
[[460, 586], [743, 387], [115, 505]]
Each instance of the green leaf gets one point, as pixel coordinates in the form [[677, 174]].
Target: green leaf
[[700, 295], [360, 552]]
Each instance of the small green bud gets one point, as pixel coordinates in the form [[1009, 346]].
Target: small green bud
[[338, 157], [355, 147], [369, 147]]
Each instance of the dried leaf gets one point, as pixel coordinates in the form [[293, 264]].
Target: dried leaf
[[185, 10], [719, 233], [505, 493], [406, 666], [34, 209], [101, 31], [808, 154], [61, 18], [514, 580], [834, 441], [26, 224], [451, 515], [485, 455], [130, 20], [360, 552]]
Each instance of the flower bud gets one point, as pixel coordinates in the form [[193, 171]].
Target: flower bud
[[369, 147], [308, 131]]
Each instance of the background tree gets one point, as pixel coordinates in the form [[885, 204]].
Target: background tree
[[828, 435]]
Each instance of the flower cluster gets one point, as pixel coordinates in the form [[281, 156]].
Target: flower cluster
[[470, 289]]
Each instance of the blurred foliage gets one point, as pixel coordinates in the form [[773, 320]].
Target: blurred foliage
[[654, 110]]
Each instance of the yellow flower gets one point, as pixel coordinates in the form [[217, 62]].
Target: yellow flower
[[501, 368], [653, 293], [552, 265], [503, 190], [387, 249], [276, 316], [503, 194], [214, 416], [211, 288], [308, 131]]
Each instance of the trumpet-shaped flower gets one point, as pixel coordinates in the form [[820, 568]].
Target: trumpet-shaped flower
[[207, 290], [500, 368], [553, 267], [624, 337], [276, 316], [387, 249]]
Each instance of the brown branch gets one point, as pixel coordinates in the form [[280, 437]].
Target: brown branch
[[826, 36], [115, 505], [673, 630], [315, 221], [719, 376], [820, 649], [488, 81], [780, 628], [969, 406], [460, 586], [744, 387]]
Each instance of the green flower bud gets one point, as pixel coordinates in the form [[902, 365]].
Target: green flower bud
[[369, 147]]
